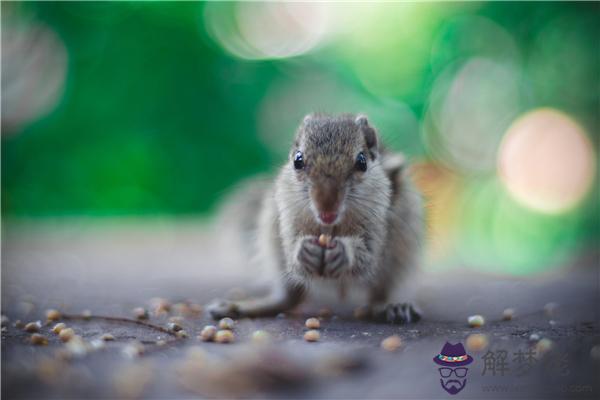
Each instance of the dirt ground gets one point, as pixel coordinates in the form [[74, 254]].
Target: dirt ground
[[110, 270]]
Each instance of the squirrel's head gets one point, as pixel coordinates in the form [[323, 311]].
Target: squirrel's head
[[332, 157]]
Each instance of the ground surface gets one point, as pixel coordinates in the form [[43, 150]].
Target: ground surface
[[112, 270]]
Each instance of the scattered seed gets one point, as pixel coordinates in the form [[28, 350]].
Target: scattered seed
[[181, 334], [312, 335], [140, 313], [224, 336], [312, 323], [86, 314], [508, 314], [595, 353], [550, 309], [208, 333], [76, 346], [391, 343], [33, 326], [261, 337], [324, 240], [476, 321], [38, 340], [174, 327], [361, 312], [107, 337], [543, 346], [226, 323], [53, 315], [66, 334], [59, 327], [19, 324], [477, 342]]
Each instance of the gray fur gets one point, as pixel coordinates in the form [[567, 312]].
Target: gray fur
[[376, 238]]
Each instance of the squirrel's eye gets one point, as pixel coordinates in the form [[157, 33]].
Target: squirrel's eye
[[361, 162], [298, 160]]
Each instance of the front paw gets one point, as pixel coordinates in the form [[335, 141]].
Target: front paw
[[310, 255], [223, 308], [335, 260], [400, 313]]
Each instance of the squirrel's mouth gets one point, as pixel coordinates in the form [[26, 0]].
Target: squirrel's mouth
[[328, 217]]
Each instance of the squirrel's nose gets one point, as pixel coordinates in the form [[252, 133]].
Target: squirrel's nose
[[328, 217]]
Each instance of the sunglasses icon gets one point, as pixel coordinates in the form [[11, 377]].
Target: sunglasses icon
[[459, 372]]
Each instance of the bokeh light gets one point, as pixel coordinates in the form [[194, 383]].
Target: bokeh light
[[546, 161]]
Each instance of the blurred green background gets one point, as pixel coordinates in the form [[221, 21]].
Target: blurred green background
[[154, 109]]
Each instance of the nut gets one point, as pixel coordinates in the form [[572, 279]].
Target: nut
[[107, 337], [33, 326], [224, 336], [19, 324], [312, 323], [208, 333], [53, 315], [475, 321], [226, 323], [181, 334], [38, 340], [508, 314], [66, 334], [391, 343], [140, 313], [324, 240], [312, 335], [477, 342], [59, 327]]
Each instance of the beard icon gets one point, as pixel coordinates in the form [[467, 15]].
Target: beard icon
[[453, 386]]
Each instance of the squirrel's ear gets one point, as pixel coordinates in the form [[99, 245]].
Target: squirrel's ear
[[369, 132], [307, 118]]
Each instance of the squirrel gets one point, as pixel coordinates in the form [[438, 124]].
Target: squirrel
[[342, 209]]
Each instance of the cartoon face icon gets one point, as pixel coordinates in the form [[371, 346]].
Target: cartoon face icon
[[453, 373]]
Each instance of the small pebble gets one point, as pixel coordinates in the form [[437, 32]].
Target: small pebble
[[86, 314], [38, 340], [477, 342], [59, 327], [508, 314], [19, 324], [208, 333], [595, 353], [107, 337], [53, 315], [140, 313], [181, 334], [261, 337], [324, 240], [391, 343], [534, 337], [66, 334], [312, 335], [312, 323], [33, 326], [550, 309], [475, 321], [224, 336], [174, 327], [543, 346], [226, 323]]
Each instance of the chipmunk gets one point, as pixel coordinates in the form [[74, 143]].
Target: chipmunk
[[338, 181]]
